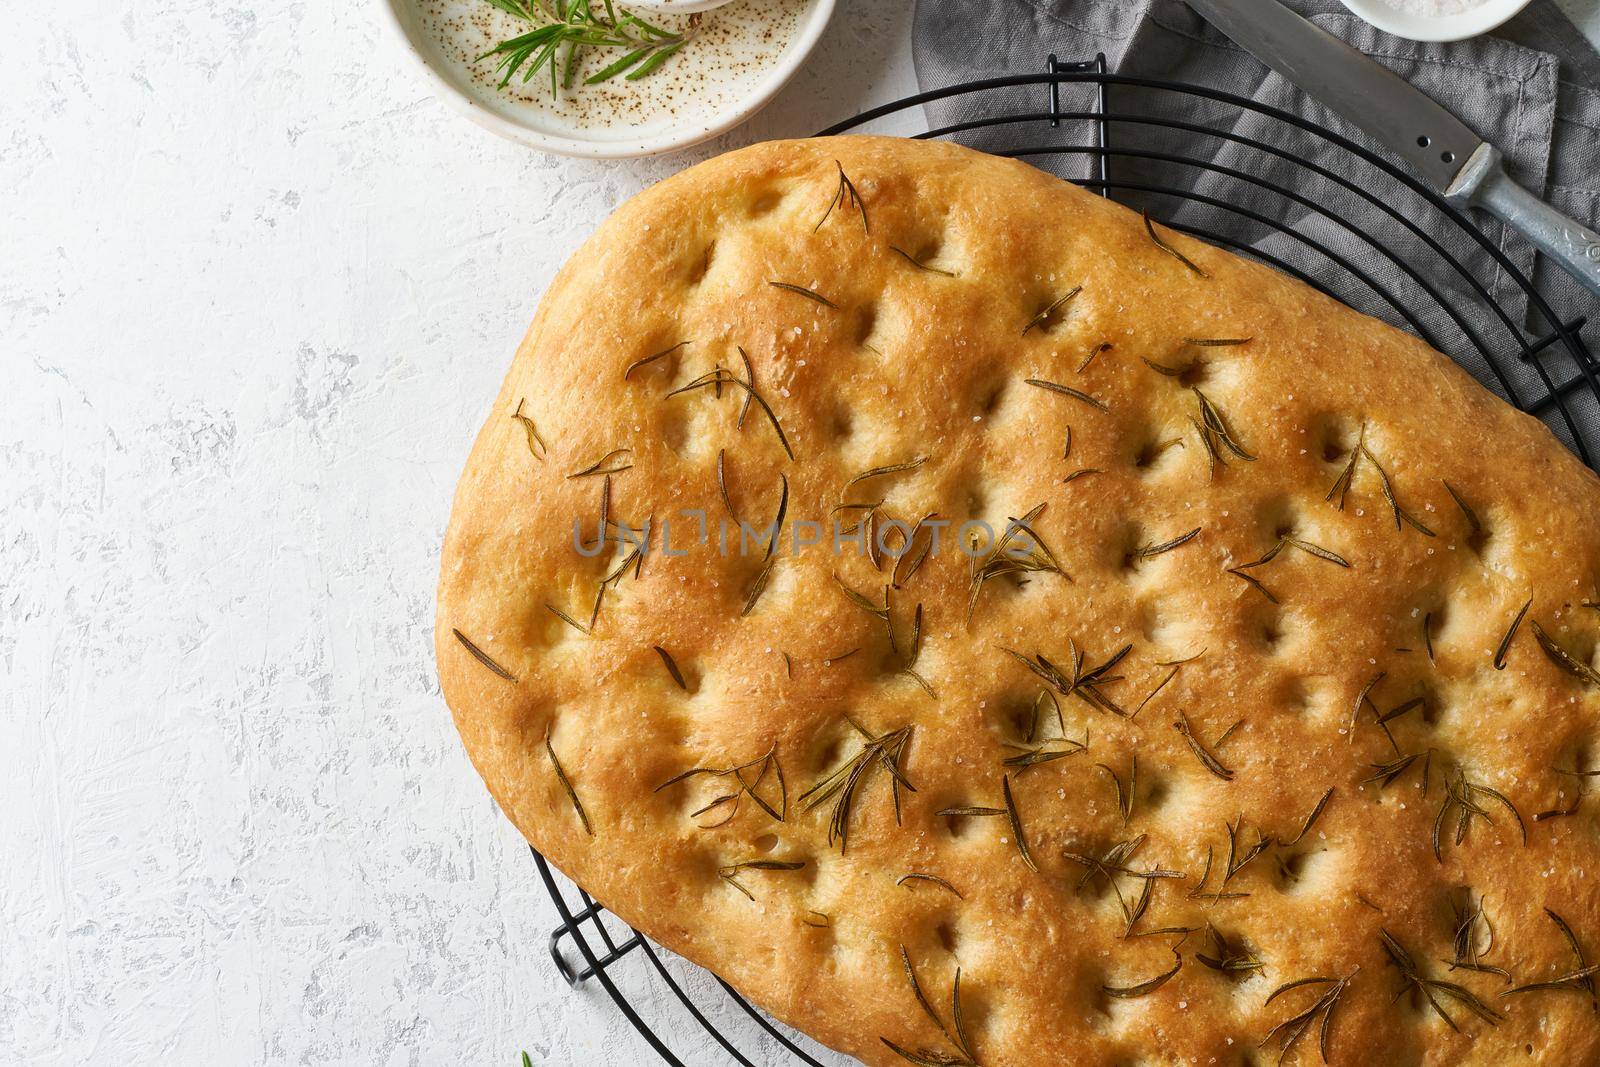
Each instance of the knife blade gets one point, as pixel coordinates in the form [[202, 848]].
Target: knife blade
[[1388, 108], [1443, 151]]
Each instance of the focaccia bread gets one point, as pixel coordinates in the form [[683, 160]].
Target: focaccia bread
[[1245, 702]]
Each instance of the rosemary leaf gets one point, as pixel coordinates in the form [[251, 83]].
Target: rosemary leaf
[[672, 667], [1148, 551], [916, 989], [1173, 673], [1363, 698], [747, 786], [1433, 989], [800, 290], [1255, 583], [719, 377], [1216, 430], [569, 620], [1580, 978], [1103, 346], [1473, 524], [599, 465], [1400, 514], [1388, 772], [924, 1058], [1125, 796], [935, 879], [1044, 316], [536, 445], [731, 872], [783, 510], [1311, 820], [1462, 800], [647, 360], [1016, 823], [958, 1040], [909, 258], [845, 194], [1203, 754], [1150, 229], [1032, 757], [1317, 551], [1289, 1032], [1511, 632], [565, 29], [1239, 859], [1341, 485], [893, 468], [862, 602], [750, 382], [1140, 989], [842, 785], [1563, 659], [722, 483], [566, 784], [482, 657], [1227, 957], [758, 586], [1067, 390]]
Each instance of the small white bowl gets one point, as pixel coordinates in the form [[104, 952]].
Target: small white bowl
[[528, 124], [1469, 23]]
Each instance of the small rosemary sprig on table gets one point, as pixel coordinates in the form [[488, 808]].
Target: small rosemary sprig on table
[[563, 29]]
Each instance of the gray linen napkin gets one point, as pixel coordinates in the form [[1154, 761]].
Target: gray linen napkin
[[1527, 89]]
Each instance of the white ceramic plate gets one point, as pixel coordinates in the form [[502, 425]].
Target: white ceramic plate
[[528, 122], [1481, 19]]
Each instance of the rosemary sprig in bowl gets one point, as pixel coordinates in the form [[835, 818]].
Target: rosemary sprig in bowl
[[563, 29]]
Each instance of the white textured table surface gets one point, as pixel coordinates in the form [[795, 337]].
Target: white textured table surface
[[257, 290]]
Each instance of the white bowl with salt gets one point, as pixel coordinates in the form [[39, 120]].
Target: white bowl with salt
[[1435, 20], [736, 56]]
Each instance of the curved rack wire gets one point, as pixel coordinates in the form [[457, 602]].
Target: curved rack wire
[[1543, 367]]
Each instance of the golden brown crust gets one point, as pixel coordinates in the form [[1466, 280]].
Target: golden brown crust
[[915, 362]]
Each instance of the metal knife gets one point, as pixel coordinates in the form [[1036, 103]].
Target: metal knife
[[1447, 155]]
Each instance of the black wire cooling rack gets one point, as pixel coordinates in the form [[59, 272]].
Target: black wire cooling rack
[[1416, 274]]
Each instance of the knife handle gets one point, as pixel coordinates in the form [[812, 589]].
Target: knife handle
[[1571, 244]]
